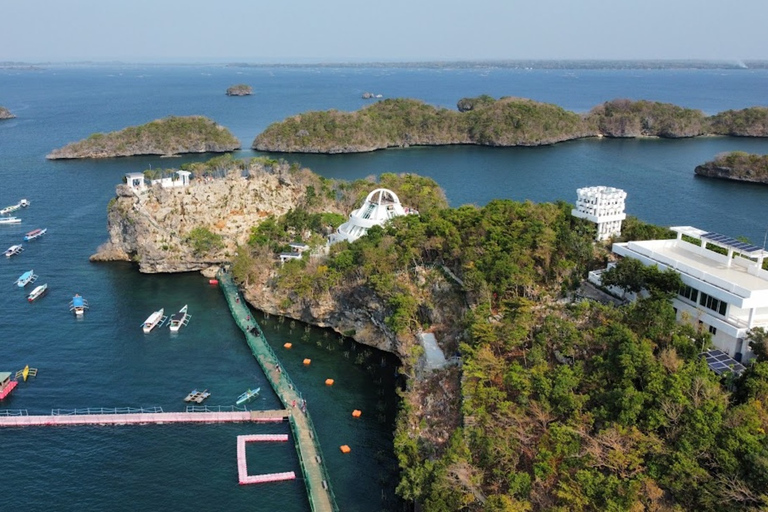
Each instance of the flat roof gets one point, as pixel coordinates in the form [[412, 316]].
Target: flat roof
[[4, 376]]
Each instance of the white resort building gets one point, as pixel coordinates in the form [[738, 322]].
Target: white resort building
[[138, 182], [380, 206], [725, 293], [602, 205]]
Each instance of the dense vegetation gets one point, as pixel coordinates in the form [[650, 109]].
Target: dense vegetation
[[486, 121], [560, 405], [737, 165], [168, 136]]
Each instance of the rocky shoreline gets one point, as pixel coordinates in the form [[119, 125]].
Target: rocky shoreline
[[6, 114], [736, 167]]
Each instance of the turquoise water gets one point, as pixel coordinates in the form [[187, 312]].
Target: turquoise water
[[104, 360]]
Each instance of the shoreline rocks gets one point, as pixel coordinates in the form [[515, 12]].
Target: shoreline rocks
[[6, 114], [240, 90]]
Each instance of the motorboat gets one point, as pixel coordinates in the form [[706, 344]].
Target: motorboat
[[38, 292], [247, 396], [8, 209], [13, 250], [179, 319], [35, 233], [153, 321], [26, 278], [78, 305], [10, 220]]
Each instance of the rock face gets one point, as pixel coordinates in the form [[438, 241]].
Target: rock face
[[240, 90], [169, 136], [713, 170], [5, 113], [152, 228]]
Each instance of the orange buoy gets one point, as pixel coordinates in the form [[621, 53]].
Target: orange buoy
[[307, 361], [345, 449], [213, 281], [329, 382], [356, 413], [288, 345]]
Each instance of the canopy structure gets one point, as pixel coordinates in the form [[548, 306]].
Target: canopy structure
[[380, 206]]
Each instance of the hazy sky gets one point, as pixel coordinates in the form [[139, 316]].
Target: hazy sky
[[389, 30]]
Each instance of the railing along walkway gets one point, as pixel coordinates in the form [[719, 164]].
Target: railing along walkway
[[321, 497]]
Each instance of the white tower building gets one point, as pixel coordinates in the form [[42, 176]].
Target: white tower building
[[380, 206], [604, 206]]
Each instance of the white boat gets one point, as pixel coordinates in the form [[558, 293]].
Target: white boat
[[24, 203], [8, 209], [78, 305], [153, 321], [10, 220], [26, 278], [38, 292], [179, 319], [13, 250], [35, 233], [247, 396]]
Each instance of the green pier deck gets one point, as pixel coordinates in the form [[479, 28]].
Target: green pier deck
[[319, 491]]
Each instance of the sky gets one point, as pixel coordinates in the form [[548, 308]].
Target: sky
[[200, 31]]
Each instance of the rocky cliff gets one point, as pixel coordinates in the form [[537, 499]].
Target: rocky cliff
[[5, 113], [169, 136], [736, 166]]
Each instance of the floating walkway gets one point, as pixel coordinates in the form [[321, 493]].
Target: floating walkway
[[141, 418], [242, 464], [319, 491]]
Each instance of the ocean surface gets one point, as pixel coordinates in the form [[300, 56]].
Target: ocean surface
[[104, 360]]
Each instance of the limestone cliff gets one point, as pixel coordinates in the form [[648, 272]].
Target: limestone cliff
[[736, 166]]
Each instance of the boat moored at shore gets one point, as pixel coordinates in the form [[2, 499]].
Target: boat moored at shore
[[26, 278], [78, 305], [153, 321], [13, 250], [38, 292], [179, 319], [35, 233]]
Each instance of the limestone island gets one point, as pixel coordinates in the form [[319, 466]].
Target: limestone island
[[5, 113], [736, 166], [167, 137], [240, 90], [521, 386], [486, 121]]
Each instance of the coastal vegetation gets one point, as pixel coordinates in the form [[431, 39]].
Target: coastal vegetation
[[169, 136], [486, 121], [240, 90], [5, 113], [736, 165]]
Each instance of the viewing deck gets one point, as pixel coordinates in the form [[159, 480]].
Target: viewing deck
[[319, 491]]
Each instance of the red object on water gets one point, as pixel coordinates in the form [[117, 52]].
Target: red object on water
[[213, 281], [7, 391]]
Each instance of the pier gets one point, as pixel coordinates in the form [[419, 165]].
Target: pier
[[319, 491], [242, 464]]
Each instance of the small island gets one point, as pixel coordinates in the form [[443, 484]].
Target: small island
[[505, 122], [166, 137], [736, 166], [5, 113], [240, 90]]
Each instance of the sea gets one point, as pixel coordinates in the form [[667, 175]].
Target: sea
[[105, 361]]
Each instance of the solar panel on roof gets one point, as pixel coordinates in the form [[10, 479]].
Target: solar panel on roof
[[731, 242]]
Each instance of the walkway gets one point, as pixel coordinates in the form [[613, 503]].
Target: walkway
[[151, 418], [321, 498]]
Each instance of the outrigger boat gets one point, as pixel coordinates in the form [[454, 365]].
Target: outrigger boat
[[202, 396], [13, 250], [35, 233], [179, 319], [192, 395], [26, 372], [38, 292], [26, 278], [8, 209], [153, 321], [78, 305], [247, 396], [10, 220]]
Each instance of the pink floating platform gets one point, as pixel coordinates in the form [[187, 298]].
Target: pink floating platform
[[10, 387], [242, 465]]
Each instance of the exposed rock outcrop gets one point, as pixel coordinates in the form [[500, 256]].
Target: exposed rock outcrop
[[5, 113], [240, 90], [737, 166], [169, 136]]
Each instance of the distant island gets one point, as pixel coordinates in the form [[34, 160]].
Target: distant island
[[737, 166], [5, 113], [240, 90], [504, 122], [167, 137]]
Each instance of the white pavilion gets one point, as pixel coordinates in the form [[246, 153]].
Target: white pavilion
[[380, 206], [604, 206]]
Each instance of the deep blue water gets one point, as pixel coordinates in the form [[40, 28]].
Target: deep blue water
[[105, 359]]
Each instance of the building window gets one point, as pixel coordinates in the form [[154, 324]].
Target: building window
[[712, 303], [713, 330], [689, 293]]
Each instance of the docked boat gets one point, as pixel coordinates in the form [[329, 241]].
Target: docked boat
[[78, 305], [13, 250], [202, 396], [35, 233], [179, 319], [153, 321], [10, 220], [247, 396], [38, 292], [26, 278], [192, 395]]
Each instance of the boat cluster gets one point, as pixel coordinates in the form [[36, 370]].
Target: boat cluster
[[157, 318]]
